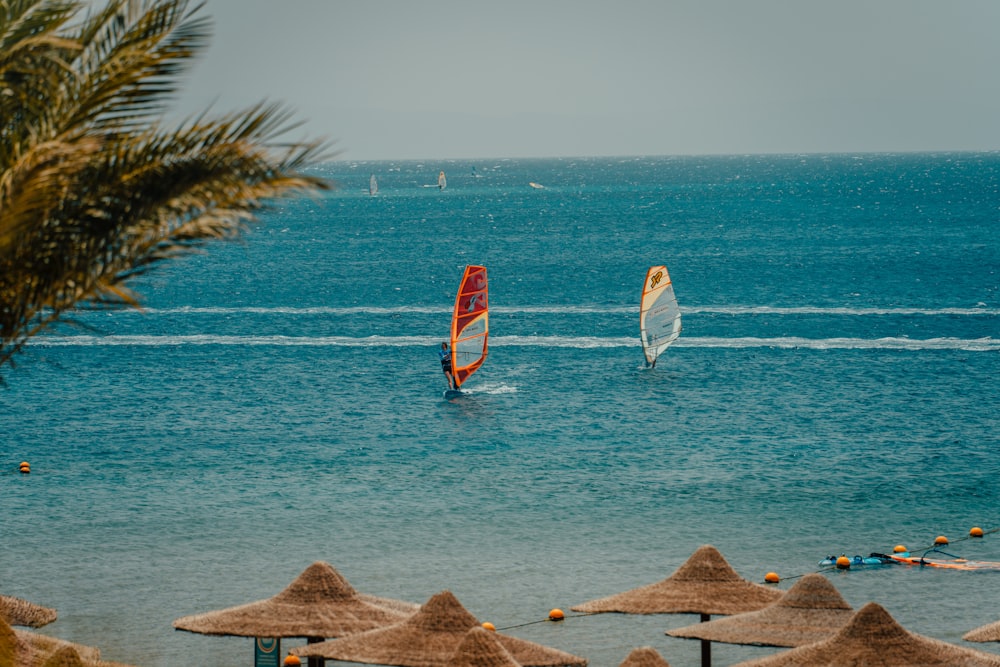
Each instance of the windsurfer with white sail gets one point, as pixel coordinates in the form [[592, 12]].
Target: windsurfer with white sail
[[445, 356]]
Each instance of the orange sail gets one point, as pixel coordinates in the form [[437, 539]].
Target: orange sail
[[470, 324]]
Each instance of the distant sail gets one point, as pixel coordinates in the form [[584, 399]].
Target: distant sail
[[659, 314], [442, 181], [372, 185], [470, 324]]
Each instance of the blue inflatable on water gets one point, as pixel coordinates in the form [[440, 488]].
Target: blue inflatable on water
[[858, 560]]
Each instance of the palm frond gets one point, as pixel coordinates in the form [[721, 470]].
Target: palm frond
[[92, 190]]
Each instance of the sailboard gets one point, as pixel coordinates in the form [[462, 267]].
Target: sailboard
[[470, 325], [442, 181], [952, 563], [659, 314], [906, 558], [372, 185]]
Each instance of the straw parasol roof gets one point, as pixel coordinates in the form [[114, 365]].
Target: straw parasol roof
[[21, 612], [704, 584], [481, 648], [428, 638], [21, 648], [645, 656], [8, 644], [873, 637], [319, 603], [68, 657], [986, 633], [811, 610], [65, 657]]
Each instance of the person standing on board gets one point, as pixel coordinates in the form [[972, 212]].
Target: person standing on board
[[445, 356]]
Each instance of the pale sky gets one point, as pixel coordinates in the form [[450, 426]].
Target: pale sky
[[438, 79]]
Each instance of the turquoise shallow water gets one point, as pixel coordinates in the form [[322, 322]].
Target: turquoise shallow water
[[279, 402]]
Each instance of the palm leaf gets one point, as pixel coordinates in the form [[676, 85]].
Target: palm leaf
[[93, 191]]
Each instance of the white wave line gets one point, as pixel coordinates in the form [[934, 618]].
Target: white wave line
[[560, 310], [581, 342]]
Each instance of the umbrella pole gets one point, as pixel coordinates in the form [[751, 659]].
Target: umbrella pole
[[706, 647], [314, 661]]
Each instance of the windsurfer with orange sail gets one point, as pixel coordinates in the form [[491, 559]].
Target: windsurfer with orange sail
[[469, 329]]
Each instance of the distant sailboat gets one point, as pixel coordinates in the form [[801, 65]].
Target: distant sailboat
[[442, 181], [659, 314], [372, 186]]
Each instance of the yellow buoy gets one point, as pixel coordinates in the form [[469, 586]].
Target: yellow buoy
[[976, 532], [899, 548], [292, 661], [556, 615], [489, 626], [772, 577], [844, 563], [941, 539]]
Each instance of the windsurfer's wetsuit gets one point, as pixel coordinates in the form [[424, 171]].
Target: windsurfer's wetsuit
[[445, 357]]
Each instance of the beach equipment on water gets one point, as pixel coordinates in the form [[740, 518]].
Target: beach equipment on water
[[428, 638], [645, 656], [705, 584], [318, 605], [481, 648], [810, 611], [21, 612], [985, 633], [873, 637]]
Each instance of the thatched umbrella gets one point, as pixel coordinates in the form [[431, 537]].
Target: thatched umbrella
[[986, 633], [319, 604], [428, 638], [22, 648], [645, 656], [481, 648], [21, 612], [873, 637], [811, 610], [68, 657], [705, 584], [65, 657], [8, 644]]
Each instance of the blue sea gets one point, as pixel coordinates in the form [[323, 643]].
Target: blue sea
[[279, 401]]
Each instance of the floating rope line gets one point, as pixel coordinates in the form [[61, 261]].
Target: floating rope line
[[544, 620], [557, 616]]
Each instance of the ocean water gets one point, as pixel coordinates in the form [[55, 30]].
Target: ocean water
[[279, 402]]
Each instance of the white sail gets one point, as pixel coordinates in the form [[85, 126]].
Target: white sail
[[442, 181], [372, 185], [659, 314]]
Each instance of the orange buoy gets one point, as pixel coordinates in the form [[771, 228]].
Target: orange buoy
[[941, 539], [489, 626], [292, 661], [556, 615], [25, 467], [772, 578], [899, 549], [976, 532], [844, 563]]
